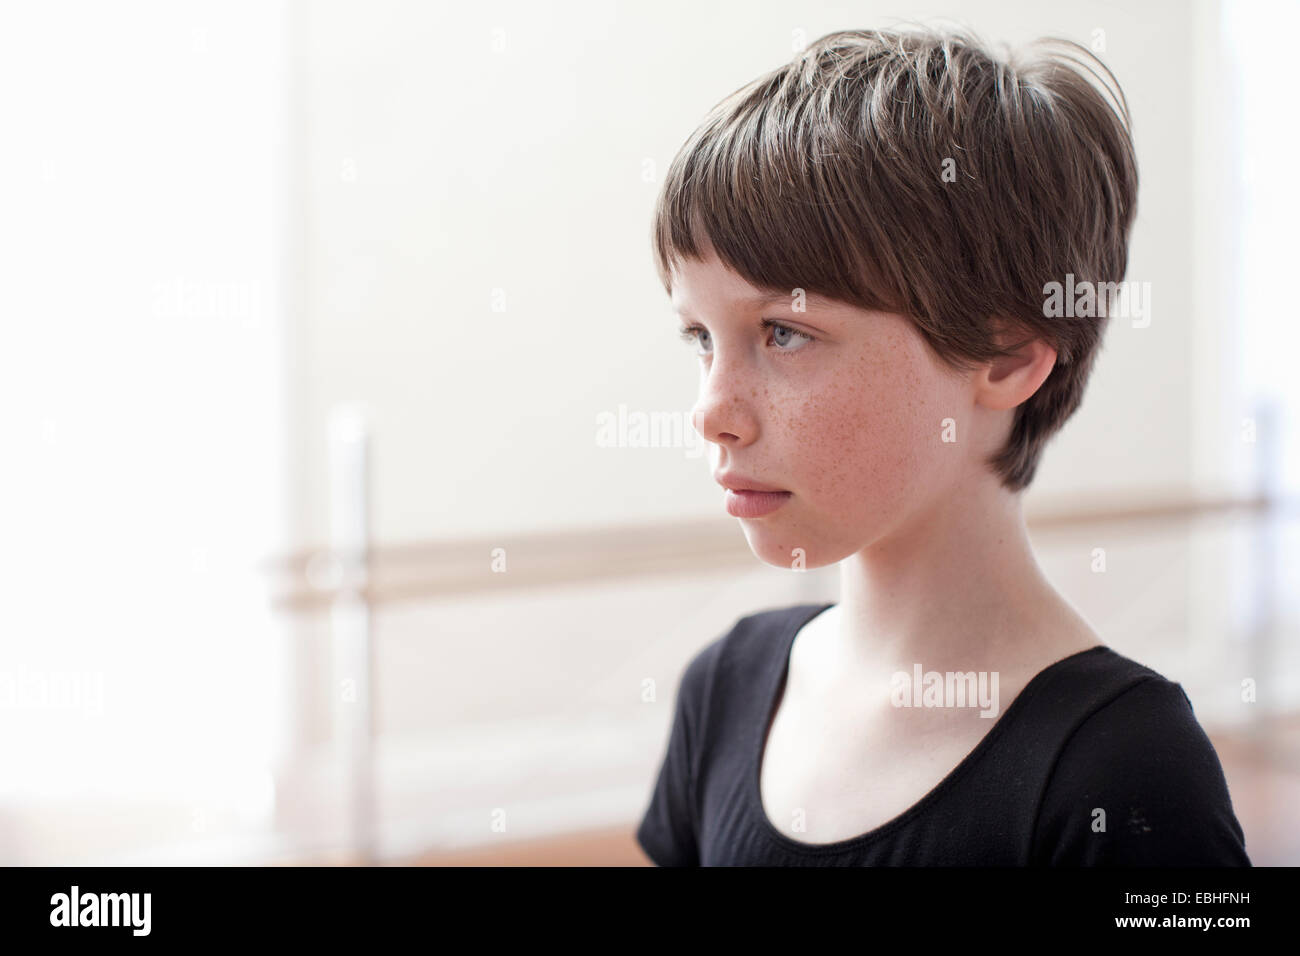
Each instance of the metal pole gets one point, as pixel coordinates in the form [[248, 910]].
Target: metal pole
[[1264, 618], [349, 447]]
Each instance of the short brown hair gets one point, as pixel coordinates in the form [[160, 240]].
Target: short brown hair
[[827, 175]]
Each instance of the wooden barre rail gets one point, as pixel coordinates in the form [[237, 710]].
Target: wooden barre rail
[[434, 569]]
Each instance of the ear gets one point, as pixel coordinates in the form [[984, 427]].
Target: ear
[[1006, 382]]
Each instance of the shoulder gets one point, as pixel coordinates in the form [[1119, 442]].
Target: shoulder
[[1137, 781], [751, 647], [713, 692]]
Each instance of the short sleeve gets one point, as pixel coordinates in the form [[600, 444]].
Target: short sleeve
[[669, 829], [1139, 784]]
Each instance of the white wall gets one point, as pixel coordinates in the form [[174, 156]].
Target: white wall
[[141, 247]]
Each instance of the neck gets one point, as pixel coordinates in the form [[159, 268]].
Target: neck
[[954, 586]]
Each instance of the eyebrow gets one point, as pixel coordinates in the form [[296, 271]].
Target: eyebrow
[[769, 298], [762, 299]]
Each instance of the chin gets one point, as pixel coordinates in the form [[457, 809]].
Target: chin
[[782, 548]]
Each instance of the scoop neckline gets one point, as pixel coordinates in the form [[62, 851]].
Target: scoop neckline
[[758, 744]]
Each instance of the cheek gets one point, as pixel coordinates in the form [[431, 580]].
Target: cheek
[[871, 437]]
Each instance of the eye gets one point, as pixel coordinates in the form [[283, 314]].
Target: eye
[[782, 335], [777, 328], [696, 335]]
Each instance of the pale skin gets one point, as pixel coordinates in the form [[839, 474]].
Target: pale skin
[[844, 408]]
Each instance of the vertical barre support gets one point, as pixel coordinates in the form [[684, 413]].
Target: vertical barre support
[[1263, 625], [349, 453]]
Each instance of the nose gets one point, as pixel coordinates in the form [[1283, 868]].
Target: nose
[[723, 413]]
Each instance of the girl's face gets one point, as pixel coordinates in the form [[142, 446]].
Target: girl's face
[[841, 407]]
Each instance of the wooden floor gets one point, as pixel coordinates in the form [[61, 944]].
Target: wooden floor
[[613, 847], [1263, 773]]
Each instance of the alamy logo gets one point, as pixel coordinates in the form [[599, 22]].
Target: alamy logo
[[945, 689], [638, 429], [102, 909], [1087, 299]]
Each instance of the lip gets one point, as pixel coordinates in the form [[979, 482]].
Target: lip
[[747, 498], [734, 482], [754, 504]]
